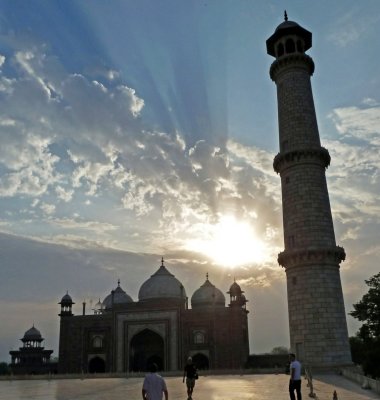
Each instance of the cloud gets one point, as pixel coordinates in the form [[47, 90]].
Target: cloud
[[263, 278], [350, 27], [48, 209], [354, 181], [355, 164], [86, 225], [83, 138], [361, 123], [65, 195], [79, 242], [368, 101], [26, 61]]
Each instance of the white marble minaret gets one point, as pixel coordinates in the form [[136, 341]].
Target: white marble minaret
[[317, 321]]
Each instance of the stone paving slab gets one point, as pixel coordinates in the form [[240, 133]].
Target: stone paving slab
[[227, 387], [324, 386]]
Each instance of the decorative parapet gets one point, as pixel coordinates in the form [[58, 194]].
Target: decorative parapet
[[299, 60], [318, 155], [311, 256]]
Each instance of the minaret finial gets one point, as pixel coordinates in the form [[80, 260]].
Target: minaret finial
[[285, 16], [162, 261]]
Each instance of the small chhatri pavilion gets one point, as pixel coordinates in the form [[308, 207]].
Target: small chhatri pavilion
[[32, 358]]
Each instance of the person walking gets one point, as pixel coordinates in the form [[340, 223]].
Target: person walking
[[190, 372], [154, 385], [295, 378]]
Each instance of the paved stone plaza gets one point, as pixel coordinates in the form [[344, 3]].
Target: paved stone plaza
[[228, 387]]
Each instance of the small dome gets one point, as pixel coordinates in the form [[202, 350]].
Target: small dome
[[119, 297], [162, 285], [32, 334], [286, 25], [207, 295], [288, 28], [66, 299], [98, 305], [235, 289]]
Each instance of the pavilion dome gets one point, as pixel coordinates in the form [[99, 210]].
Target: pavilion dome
[[286, 25], [207, 295], [162, 285], [119, 297], [66, 299], [32, 334], [289, 28], [235, 289]]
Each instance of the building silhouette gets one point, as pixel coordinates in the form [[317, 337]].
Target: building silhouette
[[123, 335], [32, 358], [318, 328]]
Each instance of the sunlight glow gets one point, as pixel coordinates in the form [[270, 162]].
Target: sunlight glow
[[230, 243]]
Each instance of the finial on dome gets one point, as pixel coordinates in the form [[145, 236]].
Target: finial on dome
[[162, 261], [206, 276], [118, 282], [285, 16]]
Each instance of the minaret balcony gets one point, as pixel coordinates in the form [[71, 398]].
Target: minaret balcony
[[288, 159], [294, 60], [329, 255]]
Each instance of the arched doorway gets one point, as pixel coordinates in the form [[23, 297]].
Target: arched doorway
[[146, 347], [201, 361], [96, 365]]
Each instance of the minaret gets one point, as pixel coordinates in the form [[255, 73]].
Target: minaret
[[318, 328], [65, 337]]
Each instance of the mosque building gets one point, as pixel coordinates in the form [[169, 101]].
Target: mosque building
[[123, 335]]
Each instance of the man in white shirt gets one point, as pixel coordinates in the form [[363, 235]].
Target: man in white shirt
[[154, 385], [295, 378]]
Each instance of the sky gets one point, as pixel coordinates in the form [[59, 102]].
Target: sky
[[134, 130]]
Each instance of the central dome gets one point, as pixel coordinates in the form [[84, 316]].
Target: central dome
[[162, 285]]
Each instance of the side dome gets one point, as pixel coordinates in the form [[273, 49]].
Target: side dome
[[207, 295], [162, 285], [32, 334], [119, 297]]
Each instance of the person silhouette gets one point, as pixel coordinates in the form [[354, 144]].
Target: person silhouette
[[295, 378], [154, 385], [190, 372]]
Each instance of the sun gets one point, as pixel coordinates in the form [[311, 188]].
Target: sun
[[230, 243]]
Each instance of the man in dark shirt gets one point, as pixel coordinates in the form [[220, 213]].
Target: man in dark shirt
[[190, 373]]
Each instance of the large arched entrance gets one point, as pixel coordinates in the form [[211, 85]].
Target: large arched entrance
[[146, 347], [96, 365], [201, 361]]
